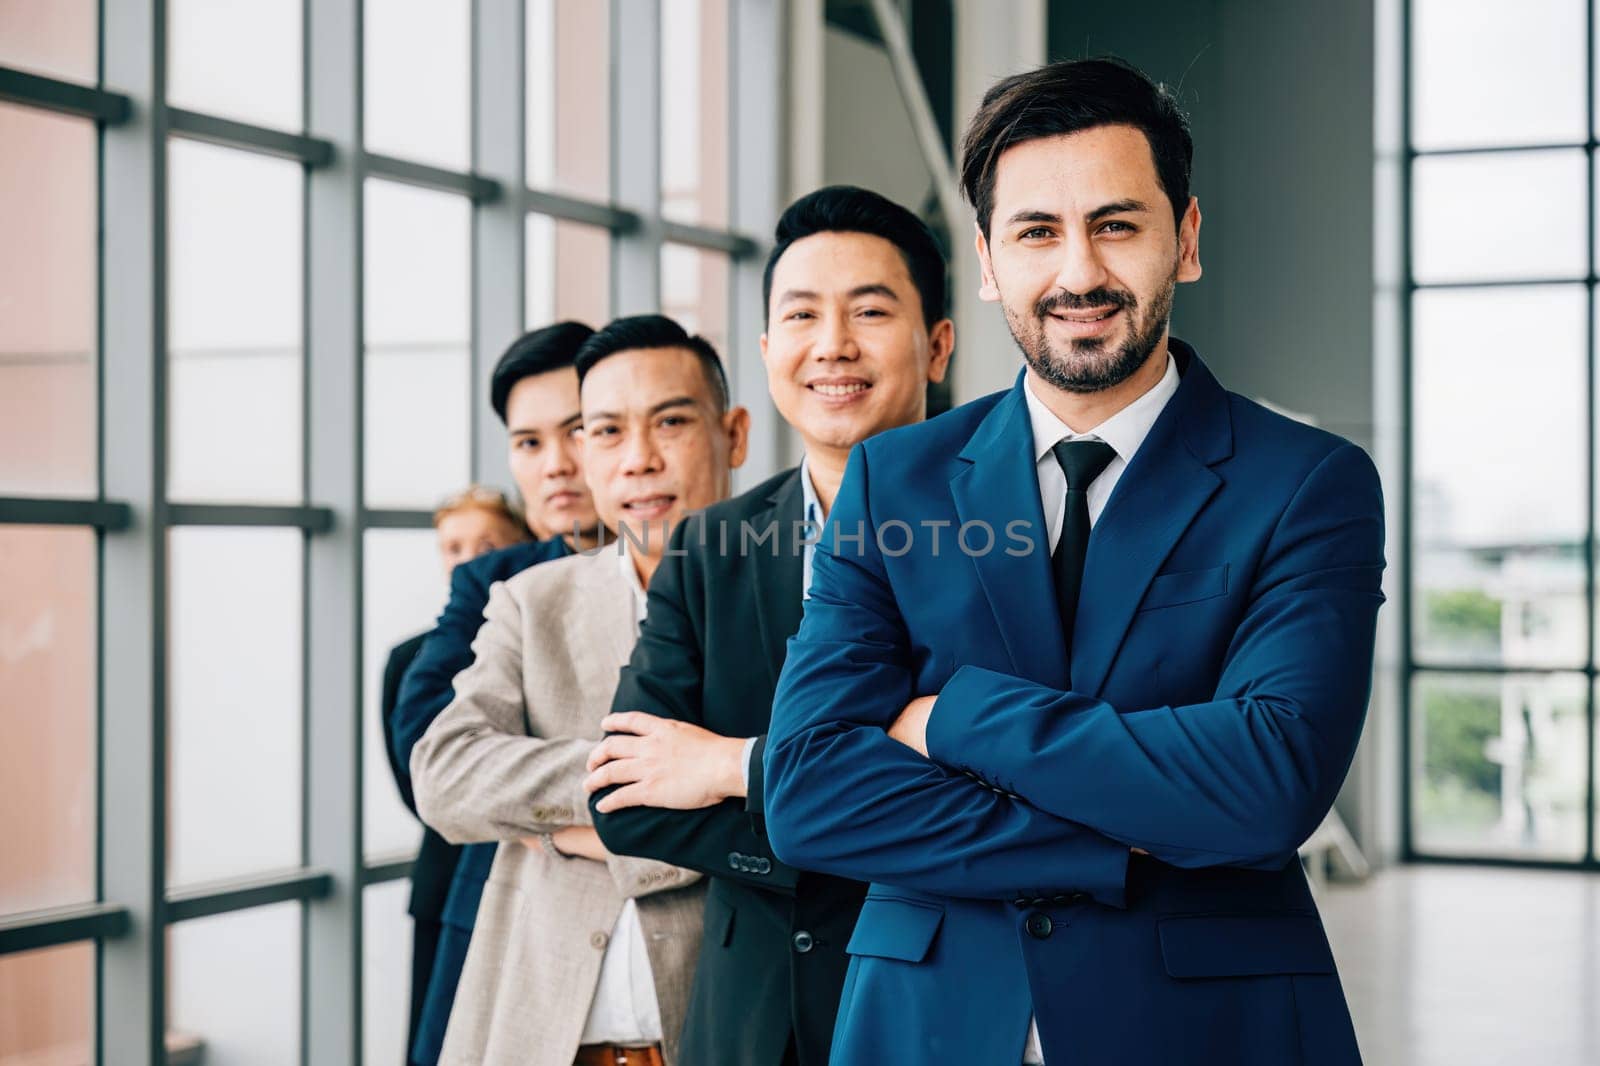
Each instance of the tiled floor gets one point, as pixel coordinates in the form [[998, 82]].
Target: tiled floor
[[1451, 966]]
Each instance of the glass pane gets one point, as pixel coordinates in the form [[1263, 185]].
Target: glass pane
[[59, 38], [569, 272], [405, 589], [47, 1006], [1499, 491], [1479, 77], [47, 694], [47, 300], [1543, 192], [236, 58], [234, 985], [569, 97], [694, 290], [236, 299], [417, 93], [1499, 764], [694, 111], [417, 326], [234, 721], [386, 973]]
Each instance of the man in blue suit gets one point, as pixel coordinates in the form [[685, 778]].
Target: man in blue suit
[[1076, 768], [534, 390]]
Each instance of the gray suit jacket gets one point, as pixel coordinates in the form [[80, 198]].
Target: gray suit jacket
[[506, 760]]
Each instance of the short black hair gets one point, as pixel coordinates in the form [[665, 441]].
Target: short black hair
[[851, 209], [653, 331], [1066, 97], [543, 350]]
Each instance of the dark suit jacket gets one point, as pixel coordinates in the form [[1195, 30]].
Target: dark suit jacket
[[772, 962], [436, 858], [448, 880], [1206, 711]]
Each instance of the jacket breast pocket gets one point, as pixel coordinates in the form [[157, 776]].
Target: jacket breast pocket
[[1185, 586], [891, 928], [1243, 945]]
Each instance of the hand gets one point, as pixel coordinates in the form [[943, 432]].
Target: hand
[[661, 762], [911, 726]]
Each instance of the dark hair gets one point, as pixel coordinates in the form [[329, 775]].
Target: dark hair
[[653, 331], [543, 350], [1066, 97], [849, 209]]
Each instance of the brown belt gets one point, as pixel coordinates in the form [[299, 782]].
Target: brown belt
[[615, 1055]]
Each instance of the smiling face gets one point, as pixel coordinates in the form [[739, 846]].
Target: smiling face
[[655, 446], [543, 421], [1083, 254], [846, 349]]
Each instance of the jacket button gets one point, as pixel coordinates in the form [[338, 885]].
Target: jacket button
[[597, 940], [1039, 925], [763, 866], [735, 860], [803, 942]]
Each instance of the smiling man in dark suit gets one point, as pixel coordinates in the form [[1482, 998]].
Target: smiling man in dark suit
[[1135, 683], [856, 331]]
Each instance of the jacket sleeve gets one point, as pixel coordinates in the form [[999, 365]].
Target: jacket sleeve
[[844, 798], [665, 678], [1242, 779], [401, 656], [425, 689], [478, 774]]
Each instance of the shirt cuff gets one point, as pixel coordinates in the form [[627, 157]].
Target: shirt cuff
[[749, 746]]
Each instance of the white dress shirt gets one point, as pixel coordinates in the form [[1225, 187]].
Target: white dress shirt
[[1124, 431], [625, 1010]]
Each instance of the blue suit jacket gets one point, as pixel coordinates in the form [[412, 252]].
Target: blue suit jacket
[[1216, 688], [425, 691]]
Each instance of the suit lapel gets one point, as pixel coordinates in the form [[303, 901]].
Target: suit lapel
[[609, 613], [778, 579], [1157, 497], [998, 486]]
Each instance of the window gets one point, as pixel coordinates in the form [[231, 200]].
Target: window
[[1502, 433], [243, 354]]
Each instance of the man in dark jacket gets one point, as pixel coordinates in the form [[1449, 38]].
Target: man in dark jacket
[[534, 390], [855, 332], [469, 525]]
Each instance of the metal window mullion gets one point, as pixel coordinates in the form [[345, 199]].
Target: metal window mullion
[[133, 970], [63, 97], [1407, 443], [1589, 454], [755, 127], [213, 129], [237, 894], [572, 209], [334, 384], [499, 258], [636, 154]]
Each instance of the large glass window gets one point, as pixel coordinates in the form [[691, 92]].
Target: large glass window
[[1502, 429], [47, 303], [243, 352]]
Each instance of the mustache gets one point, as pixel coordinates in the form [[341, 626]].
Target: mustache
[[1098, 299]]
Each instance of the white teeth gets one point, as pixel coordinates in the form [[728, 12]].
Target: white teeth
[[840, 390]]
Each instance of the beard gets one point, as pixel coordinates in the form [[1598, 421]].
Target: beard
[[1088, 365]]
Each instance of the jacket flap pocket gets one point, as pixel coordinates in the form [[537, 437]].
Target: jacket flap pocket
[[895, 929], [1185, 586], [1244, 945]]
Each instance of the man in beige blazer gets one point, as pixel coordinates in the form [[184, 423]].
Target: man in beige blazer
[[579, 956]]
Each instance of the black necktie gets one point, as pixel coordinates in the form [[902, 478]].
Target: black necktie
[[1082, 461]]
